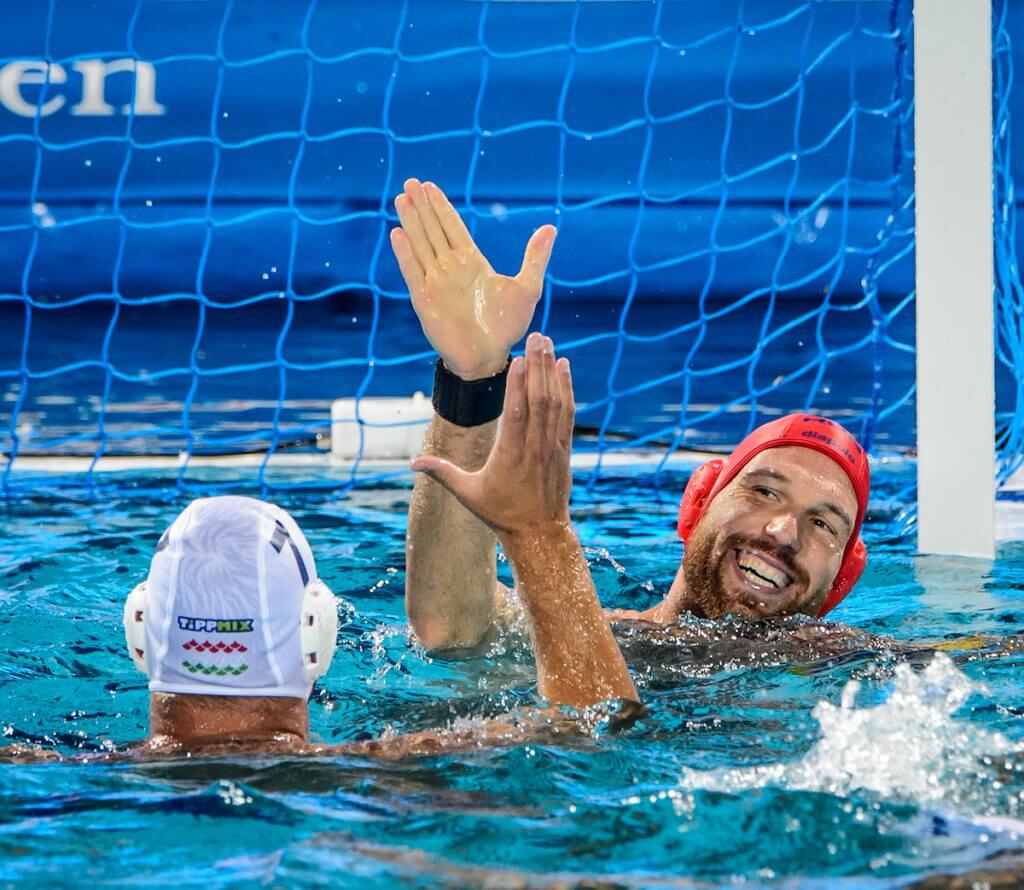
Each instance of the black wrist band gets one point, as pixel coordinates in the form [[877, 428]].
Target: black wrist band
[[468, 402]]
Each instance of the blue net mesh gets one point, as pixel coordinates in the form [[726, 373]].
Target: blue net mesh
[[1009, 302], [194, 252]]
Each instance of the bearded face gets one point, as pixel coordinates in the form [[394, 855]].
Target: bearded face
[[772, 541], [747, 577]]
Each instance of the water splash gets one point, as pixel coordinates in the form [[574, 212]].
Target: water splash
[[910, 747]]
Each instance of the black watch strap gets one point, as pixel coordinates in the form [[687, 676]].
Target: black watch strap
[[468, 402]]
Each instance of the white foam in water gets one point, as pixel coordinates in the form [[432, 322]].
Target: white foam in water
[[910, 747]]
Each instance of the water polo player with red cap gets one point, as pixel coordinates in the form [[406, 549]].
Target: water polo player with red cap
[[774, 528]]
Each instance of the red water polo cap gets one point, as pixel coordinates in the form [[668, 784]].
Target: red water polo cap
[[796, 430]]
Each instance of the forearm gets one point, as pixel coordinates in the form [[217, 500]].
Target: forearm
[[578, 660], [546, 726], [450, 554]]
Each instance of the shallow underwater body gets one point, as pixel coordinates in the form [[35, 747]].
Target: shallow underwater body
[[771, 755]]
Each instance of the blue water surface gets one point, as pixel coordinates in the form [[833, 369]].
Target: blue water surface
[[737, 771]]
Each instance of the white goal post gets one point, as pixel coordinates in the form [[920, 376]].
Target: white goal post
[[955, 284]]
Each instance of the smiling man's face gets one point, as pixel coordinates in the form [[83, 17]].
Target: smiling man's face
[[772, 541]]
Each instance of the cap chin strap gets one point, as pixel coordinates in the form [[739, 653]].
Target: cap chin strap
[[318, 628]]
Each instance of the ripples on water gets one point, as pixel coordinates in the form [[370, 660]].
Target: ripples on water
[[766, 754]]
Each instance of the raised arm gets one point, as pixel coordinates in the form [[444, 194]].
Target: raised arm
[[472, 316], [522, 494]]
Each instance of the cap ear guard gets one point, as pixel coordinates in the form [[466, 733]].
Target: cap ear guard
[[318, 632], [695, 497], [849, 574], [135, 626]]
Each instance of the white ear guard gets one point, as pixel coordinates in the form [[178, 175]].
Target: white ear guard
[[135, 626], [318, 633], [318, 628]]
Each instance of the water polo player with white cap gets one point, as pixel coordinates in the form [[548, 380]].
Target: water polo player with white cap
[[232, 625]]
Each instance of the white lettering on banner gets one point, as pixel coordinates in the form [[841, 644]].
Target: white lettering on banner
[[29, 71], [94, 77], [92, 103]]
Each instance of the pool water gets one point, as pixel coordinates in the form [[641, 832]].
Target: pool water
[[772, 756]]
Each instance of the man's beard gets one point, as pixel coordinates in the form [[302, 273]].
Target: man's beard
[[703, 568]]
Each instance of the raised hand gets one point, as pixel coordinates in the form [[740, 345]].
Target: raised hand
[[470, 314], [523, 489], [522, 493]]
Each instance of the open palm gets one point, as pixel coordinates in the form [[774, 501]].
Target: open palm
[[470, 314], [524, 486]]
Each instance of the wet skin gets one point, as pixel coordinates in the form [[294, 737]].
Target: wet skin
[[186, 726], [772, 541]]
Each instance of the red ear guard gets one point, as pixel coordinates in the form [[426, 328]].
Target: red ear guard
[[854, 561], [695, 497], [702, 486]]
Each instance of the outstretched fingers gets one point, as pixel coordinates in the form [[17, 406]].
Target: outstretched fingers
[[554, 390], [515, 412], [412, 271], [416, 234], [567, 419], [539, 391], [454, 228], [536, 258], [428, 217]]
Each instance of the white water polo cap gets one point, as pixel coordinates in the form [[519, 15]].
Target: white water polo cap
[[232, 605]]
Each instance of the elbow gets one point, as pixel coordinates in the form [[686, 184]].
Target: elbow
[[432, 637], [439, 637]]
